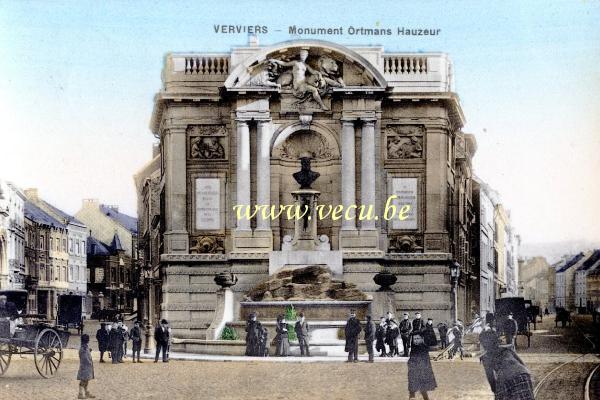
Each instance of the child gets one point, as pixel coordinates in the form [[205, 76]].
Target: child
[[420, 372], [86, 368]]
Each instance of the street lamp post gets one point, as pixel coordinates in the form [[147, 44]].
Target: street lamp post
[[454, 277]]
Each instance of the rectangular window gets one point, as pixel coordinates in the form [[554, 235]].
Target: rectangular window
[[51, 243], [77, 247], [41, 246], [70, 245]]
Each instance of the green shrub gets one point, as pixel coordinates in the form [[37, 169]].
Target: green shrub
[[290, 315], [229, 333]]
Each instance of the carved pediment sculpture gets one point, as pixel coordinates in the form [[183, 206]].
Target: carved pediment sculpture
[[308, 81]]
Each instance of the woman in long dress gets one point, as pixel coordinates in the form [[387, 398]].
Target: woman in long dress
[[283, 343], [420, 372], [506, 373]]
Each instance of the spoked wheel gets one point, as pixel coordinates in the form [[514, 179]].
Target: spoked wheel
[[5, 355], [48, 353]]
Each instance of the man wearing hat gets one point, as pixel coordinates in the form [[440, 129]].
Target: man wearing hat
[[161, 335], [405, 331], [102, 338], [351, 331], [510, 330], [302, 332]]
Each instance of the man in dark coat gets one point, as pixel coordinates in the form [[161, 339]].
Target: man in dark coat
[[405, 331], [418, 326], [86, 368], [380, 336], [443, 330], [352, 330], [370, 337], [102, 338], [161, 335], [510, 329], [429, 334], [391, 337], [302, 332], [253, 336], [136, 340]]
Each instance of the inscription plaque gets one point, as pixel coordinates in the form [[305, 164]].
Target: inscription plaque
[[406, 190], [208, 203]]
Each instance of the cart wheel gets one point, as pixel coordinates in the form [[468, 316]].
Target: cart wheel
[[48, 352], [5, 355]]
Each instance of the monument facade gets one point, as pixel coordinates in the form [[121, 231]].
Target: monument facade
[[371, 128]]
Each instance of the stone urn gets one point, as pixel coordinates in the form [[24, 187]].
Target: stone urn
[[385, 279], [225, 279]]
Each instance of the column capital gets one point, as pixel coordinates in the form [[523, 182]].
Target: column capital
[[263, 121], [369, 122], [347, 121], [242, 121]]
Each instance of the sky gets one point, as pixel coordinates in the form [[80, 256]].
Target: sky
[[77, 81]]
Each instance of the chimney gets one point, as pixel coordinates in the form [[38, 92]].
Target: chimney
[[91, 203], [31, 194]]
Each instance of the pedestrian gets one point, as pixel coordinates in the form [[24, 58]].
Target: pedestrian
[[115, 343], [380, 337], [389, 316], [136, 341], [253, 335], [351, 331], [283, 342], [302, 331], [405, 332], [511, 329], [546, 312], [125, 334], [370, 337], [507, 374], [457, 344], [420, 372], [418, 325], [86, 368], [443, 331], [161, 336], [391, 338], [263, 347], [429, 334], [8, 314], [102, 338], [108, 329]]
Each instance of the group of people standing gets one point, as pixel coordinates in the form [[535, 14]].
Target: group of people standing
[[417, 335], [257, 337], [113, 339]]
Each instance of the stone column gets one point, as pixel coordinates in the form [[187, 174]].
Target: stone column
[[263, 173], [175, 190], [367, 173], [348, 173], [243, 171]]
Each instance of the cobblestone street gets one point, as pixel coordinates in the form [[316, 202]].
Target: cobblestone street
[[300, 380]]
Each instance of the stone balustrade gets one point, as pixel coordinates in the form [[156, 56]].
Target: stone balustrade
[[404, 64]]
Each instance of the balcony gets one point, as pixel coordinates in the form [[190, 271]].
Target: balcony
[[204, 73]]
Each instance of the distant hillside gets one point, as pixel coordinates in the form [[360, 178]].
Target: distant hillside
[[553, 251]]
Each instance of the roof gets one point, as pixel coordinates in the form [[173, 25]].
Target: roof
[[590, 261], [96, 247], [130, 223], [570, 263], [67, 217], [116, 245], [36, 214]]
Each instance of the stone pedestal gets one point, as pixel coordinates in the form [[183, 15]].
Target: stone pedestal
[[305, 228]]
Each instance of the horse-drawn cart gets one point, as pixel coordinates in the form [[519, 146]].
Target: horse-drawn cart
[[44, 341]]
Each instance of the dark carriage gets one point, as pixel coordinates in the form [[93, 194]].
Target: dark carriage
[[34, 336], [70, 312], [516, 305], [563, 316]]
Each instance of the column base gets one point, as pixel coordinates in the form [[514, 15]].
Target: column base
[[251, 242], [356, 240]]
